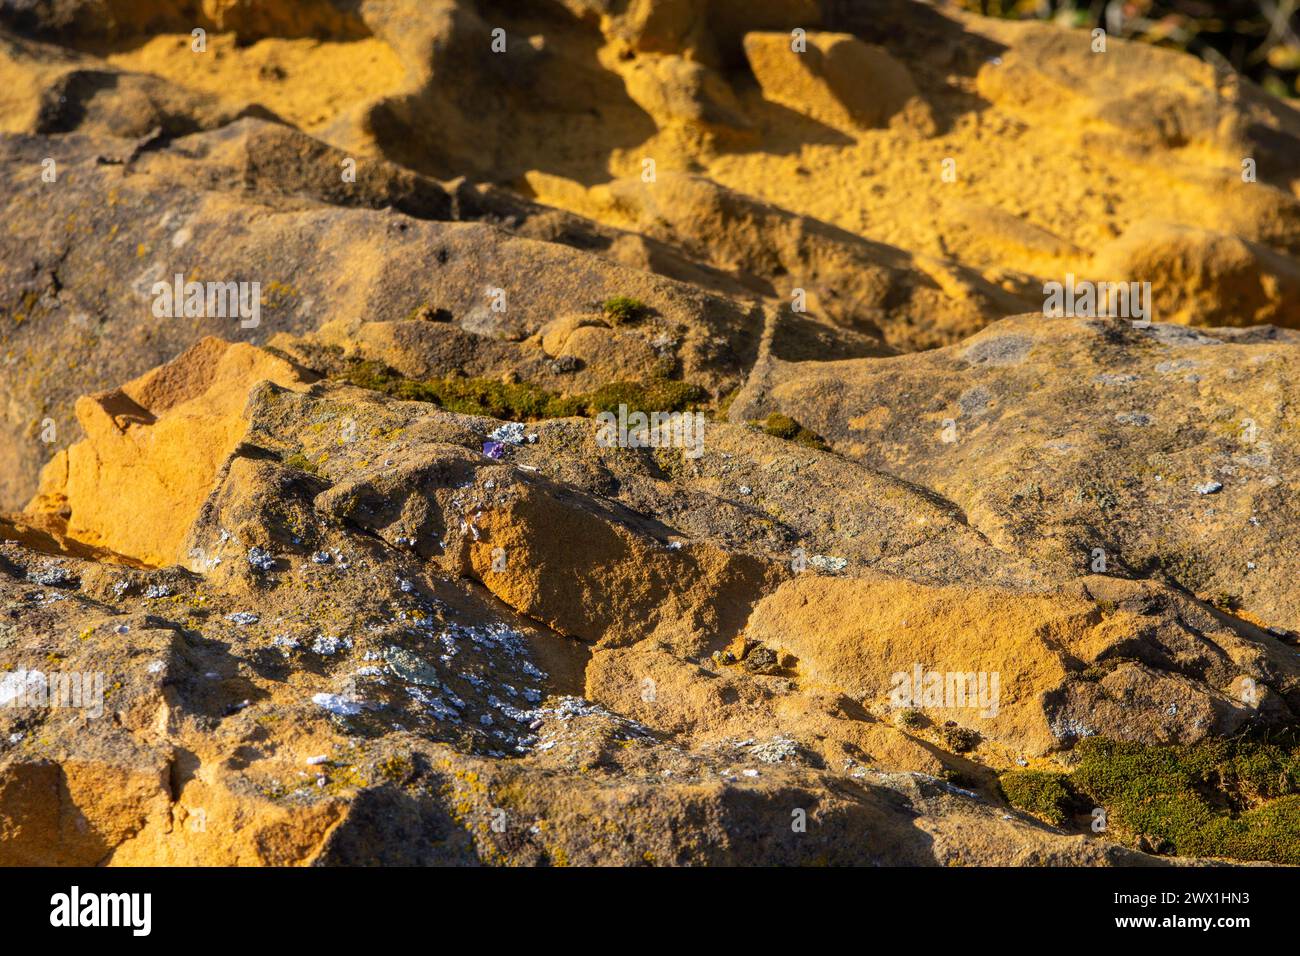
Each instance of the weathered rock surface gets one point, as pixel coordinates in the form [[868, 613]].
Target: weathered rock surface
[[1091, 444], [358, 579]]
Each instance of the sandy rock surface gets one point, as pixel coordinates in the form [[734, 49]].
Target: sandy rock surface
[[360, 577]]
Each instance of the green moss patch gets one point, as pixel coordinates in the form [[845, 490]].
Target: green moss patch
[[1237, 799], [783, 426], [301, 462], [1189, 571], [1234, 799], [522, 401], [622, 309], [1040, 793]]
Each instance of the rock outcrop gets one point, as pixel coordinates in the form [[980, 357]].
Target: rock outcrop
[[338, 524]]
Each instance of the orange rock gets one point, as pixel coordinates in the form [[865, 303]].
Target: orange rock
[[134, 484]]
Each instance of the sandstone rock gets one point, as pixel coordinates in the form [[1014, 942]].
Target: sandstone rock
[[810, 265], [1096, 468], [673, 89], [393, 481], [1206, 278], [834, 78], [366, 583], [1049, 653], [158, 441], [160, 234]]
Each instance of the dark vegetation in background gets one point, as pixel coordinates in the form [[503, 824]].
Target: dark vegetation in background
[[1257, 38]]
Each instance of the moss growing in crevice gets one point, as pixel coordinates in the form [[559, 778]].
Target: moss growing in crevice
[[1237, 799], [783, 426], [1040, 793], [1186, 570], [522, 401], [622, 309], [656, 395], [1234, 799], [300, 462]]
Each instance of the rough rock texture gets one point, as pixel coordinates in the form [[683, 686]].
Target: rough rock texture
[[834, 78], [360, 579], [1088, 444], [165, 435]]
